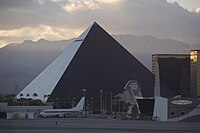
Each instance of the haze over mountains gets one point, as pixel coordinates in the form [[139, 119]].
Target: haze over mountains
[[21, 63]]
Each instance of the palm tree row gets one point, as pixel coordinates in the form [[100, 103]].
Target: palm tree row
[[34, 95], [28, 95]]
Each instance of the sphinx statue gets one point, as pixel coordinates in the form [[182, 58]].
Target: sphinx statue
[[131, 92]]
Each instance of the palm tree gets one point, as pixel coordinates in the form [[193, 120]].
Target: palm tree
[[27, 95], [48, 96], [21, 95], [35, 95], [45, 97]]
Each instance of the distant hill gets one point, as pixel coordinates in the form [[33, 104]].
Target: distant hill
[[21, 63], [142, 47]]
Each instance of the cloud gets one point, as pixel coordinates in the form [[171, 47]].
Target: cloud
[[43, 31], [61, 19], [75, 5], [36, 33], [20, 4], [197, 10], [80, 5]]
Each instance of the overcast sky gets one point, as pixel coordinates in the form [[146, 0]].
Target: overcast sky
[[64, 19]]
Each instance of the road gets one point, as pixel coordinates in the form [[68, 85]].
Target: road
[[56, 125]]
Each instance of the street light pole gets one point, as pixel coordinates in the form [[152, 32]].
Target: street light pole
[[84, 91], [111, 102], [73, 101], [101, 91], [105, 108], [119, 106], [57, 102], [92, 99]]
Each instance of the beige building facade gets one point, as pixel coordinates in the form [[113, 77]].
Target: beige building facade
[[195, 72]]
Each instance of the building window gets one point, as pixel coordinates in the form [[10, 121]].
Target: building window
[[172, 113]]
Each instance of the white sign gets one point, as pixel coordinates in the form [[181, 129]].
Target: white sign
[[181, 102]]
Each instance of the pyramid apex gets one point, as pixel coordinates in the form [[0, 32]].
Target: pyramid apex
[[95, 23]]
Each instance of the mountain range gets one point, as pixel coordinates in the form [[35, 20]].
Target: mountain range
[[22, 62]]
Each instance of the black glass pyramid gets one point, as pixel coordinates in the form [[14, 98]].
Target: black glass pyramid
[[101, 63], [94, 61]]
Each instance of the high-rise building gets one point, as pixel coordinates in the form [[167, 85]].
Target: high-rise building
[[195, 72], [172, 71]]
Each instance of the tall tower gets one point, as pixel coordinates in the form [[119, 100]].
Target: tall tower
[[173, 70], [195, 72]]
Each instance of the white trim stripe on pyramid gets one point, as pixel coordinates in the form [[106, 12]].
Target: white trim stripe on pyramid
[[47, 80]]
